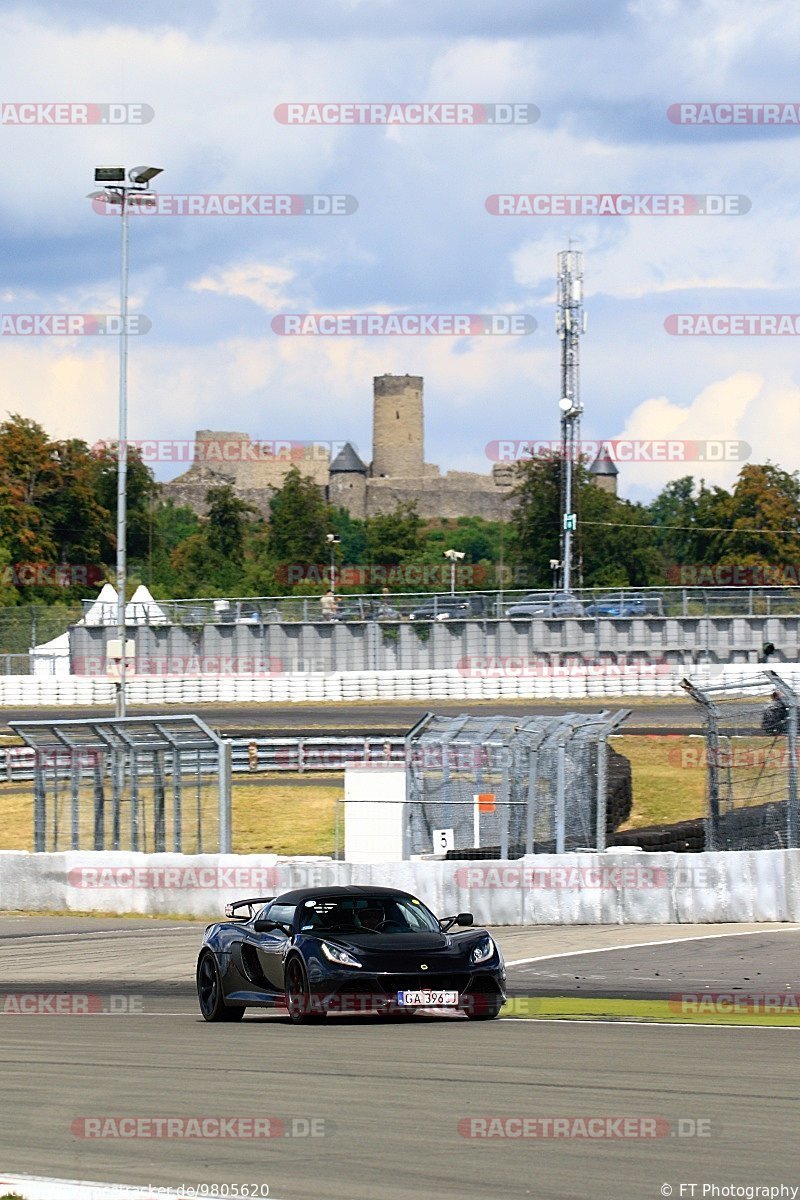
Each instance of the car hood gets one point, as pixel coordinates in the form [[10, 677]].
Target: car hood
[[391, 942]]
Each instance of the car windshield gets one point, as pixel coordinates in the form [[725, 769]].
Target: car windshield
[[374, 914]]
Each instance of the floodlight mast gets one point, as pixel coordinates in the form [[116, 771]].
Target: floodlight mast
[[116, 189], [570, 325]]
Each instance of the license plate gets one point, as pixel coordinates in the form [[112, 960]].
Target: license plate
[[427, 999]]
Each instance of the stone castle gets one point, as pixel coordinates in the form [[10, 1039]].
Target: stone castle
[[397, 474]]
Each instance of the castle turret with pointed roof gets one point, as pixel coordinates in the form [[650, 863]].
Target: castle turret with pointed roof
[[604, 471]]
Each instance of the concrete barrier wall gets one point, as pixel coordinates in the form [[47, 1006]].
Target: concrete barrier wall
[[568, 683], [325, 647], [568, 889]]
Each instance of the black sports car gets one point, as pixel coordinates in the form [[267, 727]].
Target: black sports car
[[346, 949]]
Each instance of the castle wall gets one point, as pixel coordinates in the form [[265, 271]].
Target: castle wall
[[457, 494]]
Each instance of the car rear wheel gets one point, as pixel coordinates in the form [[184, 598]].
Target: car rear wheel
[[209, 992], [298, 995]]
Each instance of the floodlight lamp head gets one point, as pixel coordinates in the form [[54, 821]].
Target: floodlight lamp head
[[109, 174], [143, 175]]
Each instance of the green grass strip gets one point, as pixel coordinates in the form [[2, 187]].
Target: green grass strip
[[709, 1011]]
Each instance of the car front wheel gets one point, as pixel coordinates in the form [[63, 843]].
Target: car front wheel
[[483, 1008], [302, 1009]]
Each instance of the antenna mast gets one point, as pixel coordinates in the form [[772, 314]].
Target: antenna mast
[[570, 326]]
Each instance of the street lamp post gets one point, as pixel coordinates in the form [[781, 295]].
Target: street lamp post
[[454, 556], [333, 541], [123, 189]]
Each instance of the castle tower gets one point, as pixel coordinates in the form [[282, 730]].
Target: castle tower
[[348, 482], [397, 427], [603, 472]]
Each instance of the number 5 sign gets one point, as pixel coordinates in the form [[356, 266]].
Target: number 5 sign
[[443, 840]]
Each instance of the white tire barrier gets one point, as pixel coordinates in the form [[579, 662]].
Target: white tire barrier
[[22, 691]]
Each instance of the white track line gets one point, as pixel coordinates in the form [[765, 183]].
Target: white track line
[[518, 962], [654, 1024]]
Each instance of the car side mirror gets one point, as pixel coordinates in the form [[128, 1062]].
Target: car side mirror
[[267, 926], [462, 919]]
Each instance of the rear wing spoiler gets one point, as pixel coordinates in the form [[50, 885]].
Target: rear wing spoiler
[[232, 910]]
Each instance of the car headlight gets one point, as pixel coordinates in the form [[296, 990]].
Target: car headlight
[[336, 954], [484, 950]]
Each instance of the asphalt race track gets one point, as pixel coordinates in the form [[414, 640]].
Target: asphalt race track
[[387, 717], [395, 1101]]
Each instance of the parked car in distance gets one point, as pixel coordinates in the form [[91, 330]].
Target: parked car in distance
[[459, 607], [625, 606], [359, 610], [558, 604]]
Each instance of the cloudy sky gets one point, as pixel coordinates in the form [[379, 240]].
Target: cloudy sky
[[602, 73]]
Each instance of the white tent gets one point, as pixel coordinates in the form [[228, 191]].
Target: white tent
[[142, 609], [51, 658], [104, 609]]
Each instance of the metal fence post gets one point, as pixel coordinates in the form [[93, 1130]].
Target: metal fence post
[[712, 743], [505, 803], [177, 816], [792, 821], [99, 801], [561, 762], [159, 840], [533, 779], [38, 807], [602, 791], [225, 797]]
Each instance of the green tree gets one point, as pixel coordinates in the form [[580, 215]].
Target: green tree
[[227, 522], [140, 491], [535, 520], [396, 537], [765, 506], [170, 524], [30, 480], [299, 522], [611, 547]]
